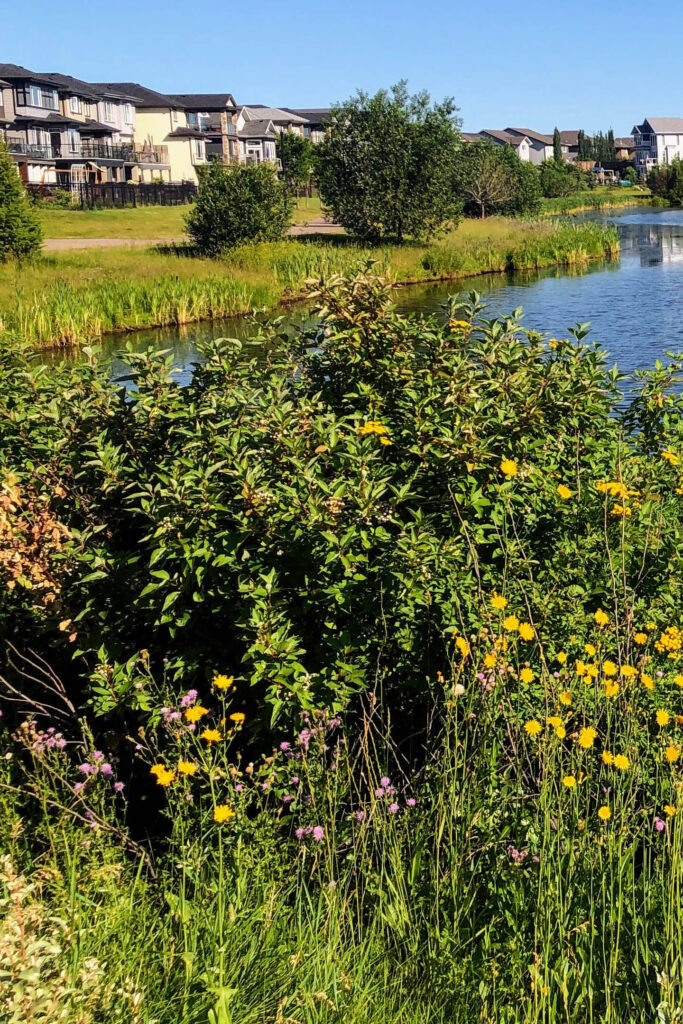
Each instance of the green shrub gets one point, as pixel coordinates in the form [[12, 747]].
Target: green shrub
[[237, 204], [20, 232]]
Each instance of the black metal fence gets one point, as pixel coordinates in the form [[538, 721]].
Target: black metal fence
[[114, 194]]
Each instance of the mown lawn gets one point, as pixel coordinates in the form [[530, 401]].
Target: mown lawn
[[139, 222]]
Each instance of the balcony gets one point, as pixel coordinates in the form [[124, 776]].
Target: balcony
[[87, 150]]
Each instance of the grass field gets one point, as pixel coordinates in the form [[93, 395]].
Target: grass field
[[141, 222], [70, 297], [596, 199]]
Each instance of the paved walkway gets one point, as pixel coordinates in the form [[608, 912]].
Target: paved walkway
[[320, 226]]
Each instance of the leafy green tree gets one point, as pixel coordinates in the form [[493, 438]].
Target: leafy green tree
[[20, 233], [666, 181], [235, 204], [385, 168], [630, 174], [560, 179], [583, 145], [492, 179], [296, 156], [557, 146]]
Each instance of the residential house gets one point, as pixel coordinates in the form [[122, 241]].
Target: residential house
[[62, 131], [214, 114], [658, 140], [161, 121], [625, 148], [257, 129], [316, 117], [519, 142], [540, 145], [282, 120], [570, 145]]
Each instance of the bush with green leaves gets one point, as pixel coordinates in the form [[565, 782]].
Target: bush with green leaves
[[666, 181], [385, 167], [20, 232], [560, 179], [235, 204], [492, 179]]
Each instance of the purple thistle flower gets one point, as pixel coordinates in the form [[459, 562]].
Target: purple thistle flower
[[239, 787], [360, 815], [97, 756], [189, 699], [393, 808], [308, 799], [379, 793], [318, 833], [287, 799], [299, 833], [411, 801], [294, 780], [305, 738], [659, 824], [85, 768], [107, 770], [285, 745], [61, 744], [118, 787], [385, 781], [79, 787]]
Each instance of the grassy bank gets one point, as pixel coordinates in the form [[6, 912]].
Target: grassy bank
[[141, 222], [73, 297], [595, 199]]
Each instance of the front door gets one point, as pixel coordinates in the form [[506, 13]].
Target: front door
[[56, 143]]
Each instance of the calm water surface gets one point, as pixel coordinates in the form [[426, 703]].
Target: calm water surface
[[634, 305]]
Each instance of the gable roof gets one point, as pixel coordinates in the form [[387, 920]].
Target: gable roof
[[624, 142], [278, 115], [316, 115], [264, 129], [570, 138], [15, 71], [659, 125], [73, 85], [204, 100], [547, 140], [504, 137], [139, 94], [470, 136]]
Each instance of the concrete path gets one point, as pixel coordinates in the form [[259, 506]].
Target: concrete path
[[320, 226]]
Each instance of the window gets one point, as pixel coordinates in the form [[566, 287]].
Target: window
[[128, 113], [174, 116], [192, 120], [37, 96], [75, 104], [74, 142], [108, 111], [198, 149]]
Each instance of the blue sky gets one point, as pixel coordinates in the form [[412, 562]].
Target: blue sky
[[531, 64]]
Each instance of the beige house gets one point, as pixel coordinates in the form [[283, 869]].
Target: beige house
[[161, 120]]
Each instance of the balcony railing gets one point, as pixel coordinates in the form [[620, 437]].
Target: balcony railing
[[90, 151]]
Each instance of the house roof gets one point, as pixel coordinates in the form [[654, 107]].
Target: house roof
[[3, 82], [547, 140], [185, 132], [278, 115], [204, 100], [570, 138], [72, 85], [54, 120], [659, 125], [16, 71], [624, 142], [470, 136], [140, 95], [264, 129], [315, 115], [504, 137]]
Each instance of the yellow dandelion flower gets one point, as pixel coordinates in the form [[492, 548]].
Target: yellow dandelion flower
[[560, 732], [462, 646], [508, 467], [223, 682], [580, 667], [211, 735], [663, 718], [670, 457], [621, 762], [628, 670], [670, 810], [640, 638], [678, 680], [385, 441], [611, 688], [532, 727], [498, 602], [373, 427], [564, 491], [554, 721], [165, 777], [672, 753], [195, 713], [156, 768], [601, 617], [511, 623], [587, 738], [609, 668], [187, 767], [604, 813], [569, 781], [237, 717], [565, 698], [526, 631], [590, 650], [526, 675], [647, 681], [561, 657], [607, 758], [223, 813], [490, 660]]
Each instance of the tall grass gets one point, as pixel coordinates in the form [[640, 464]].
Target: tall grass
[[596, 199]]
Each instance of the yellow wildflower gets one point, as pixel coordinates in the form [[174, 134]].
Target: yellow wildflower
[[609, 668], [196, 712], [490, 660], [156, 768], [165, 777], [601, 617], [223, 682], [569, 781], [498, 602], [611, 688], [462, 646], [621, 762], [620, 510], [385, 441], [509, 467], [373, 427], [604, 813], [211, 735], [628, 670], [565, 698], [560, 732], [564, 491], [670, 810], [554, 720], [532, 727], [607, 758], [526, 675], [590, 650], [526, 631], [672, 753], [187, 767], [640, 638], [678, 680], [587, 738], [223, 813], [561, 657], [511, 623], [663, 718], [647, 681], [237, 717], [580, 667], [670, 458]]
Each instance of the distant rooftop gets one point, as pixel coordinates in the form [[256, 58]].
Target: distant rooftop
[[204, 100]]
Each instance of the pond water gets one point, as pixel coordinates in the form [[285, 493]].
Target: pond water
[[634, 304]]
